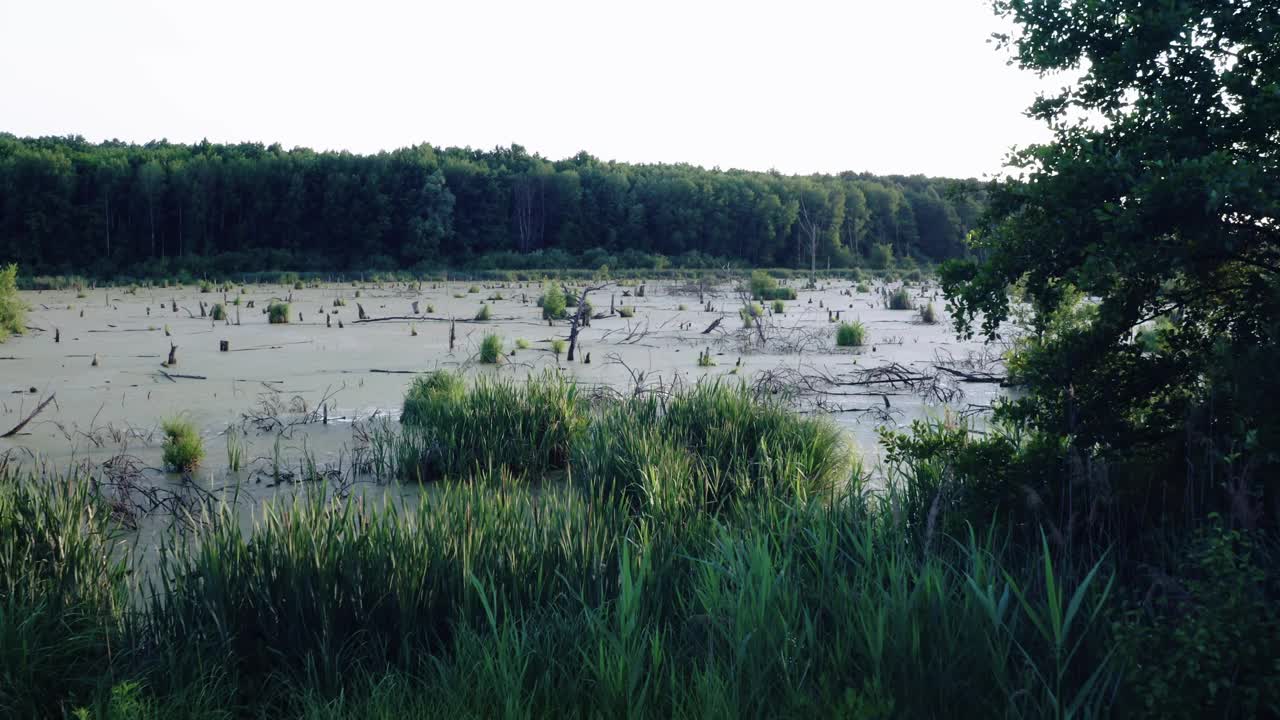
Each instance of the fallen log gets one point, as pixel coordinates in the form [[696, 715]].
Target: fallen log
[[171, 376], [714, 324]]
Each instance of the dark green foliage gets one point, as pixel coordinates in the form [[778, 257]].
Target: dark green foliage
[[218, 312], [1163, 204], [171, 208], [1205, 643]]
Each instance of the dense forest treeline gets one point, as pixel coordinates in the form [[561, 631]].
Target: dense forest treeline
[[68, 205]]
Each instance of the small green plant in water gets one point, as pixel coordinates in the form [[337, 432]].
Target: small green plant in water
[[218, 312], [522, 344], [626, 311], [484, 313], [778, 307], [552, 302], [899, 299], [929, 315], [278, 313], [490, 349], [851, 334], [235, 449], [183, 448], [558, 346]]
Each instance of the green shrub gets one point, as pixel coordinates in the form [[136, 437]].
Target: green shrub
[[851, 334], [484, 313], [490, 349], [899, 299], [473, 289], [778, 307], [627, 311], [522, 344], [278, 313], [218, 312], [13, 313], [558, 346], [183, 447]]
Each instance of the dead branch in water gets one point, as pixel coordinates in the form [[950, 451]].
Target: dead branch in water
[[18, 428]]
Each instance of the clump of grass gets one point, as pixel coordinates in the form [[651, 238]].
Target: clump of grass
[[13, 313], [297, 285], [490, 349], [522, 344], [627, 311], [778, 307], [899, 299], [863, 288], [484, 313], [183, 448], [682, 307], [278, 313], [705, 359], [235, 449], [558, 346], [928, 315], [218, 312], [750, 314], [552, 302], [851, 334], [451, 431], [473, 289], [206, 286], [496, 296]]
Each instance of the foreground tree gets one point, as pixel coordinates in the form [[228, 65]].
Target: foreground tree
[[1158, 202]]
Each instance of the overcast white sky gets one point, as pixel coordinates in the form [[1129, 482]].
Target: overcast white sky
[[887, 86]]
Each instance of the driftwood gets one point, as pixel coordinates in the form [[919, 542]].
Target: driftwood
[[714, 324], [18, 428], [972, 377]]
